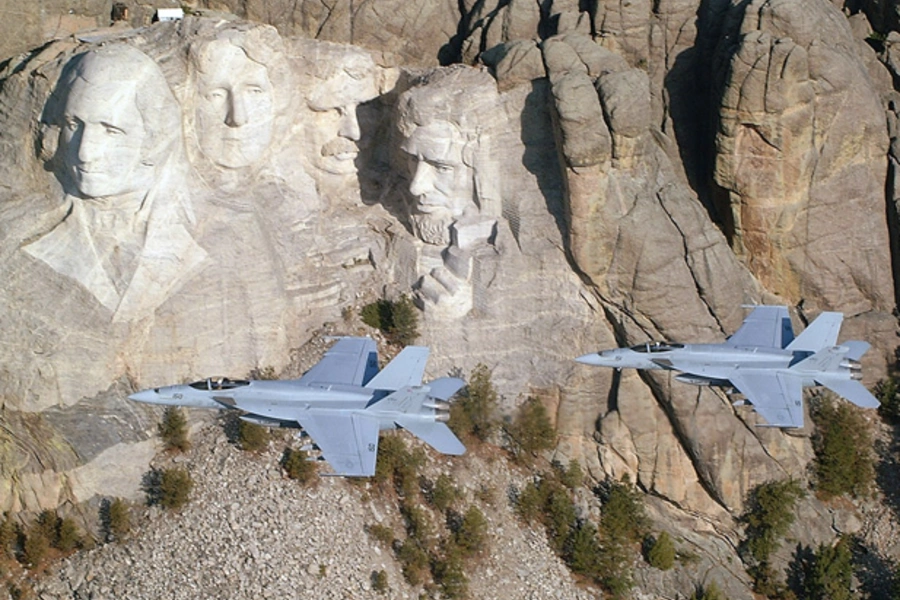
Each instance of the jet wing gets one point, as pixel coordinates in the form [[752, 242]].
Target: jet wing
[[350, 361], [348, 441], [778, 397], [766, 327]]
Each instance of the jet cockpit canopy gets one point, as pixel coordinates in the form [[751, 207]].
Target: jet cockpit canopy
[[651, 347], [219, 383]]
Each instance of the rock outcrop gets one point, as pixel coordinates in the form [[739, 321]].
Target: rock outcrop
[[197, 198]]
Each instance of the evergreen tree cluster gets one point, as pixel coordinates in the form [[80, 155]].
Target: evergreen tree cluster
[[603, 553], [769, 513], [473, 414], [434, 553], [297, 465], [844, 462], [531, 430], [398, 320]]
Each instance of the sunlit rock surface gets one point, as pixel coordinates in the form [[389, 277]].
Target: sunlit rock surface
[[199, 198]]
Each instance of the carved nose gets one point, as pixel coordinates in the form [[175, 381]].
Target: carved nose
[[349, 124], [90, 144], [421, 183], [237, 111]]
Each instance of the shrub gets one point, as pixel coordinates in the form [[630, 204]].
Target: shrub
[[414, 562], [404, 327], [36, 545], [175, 487], [710, 591], [117, 519], [843, 446], [69, 536], [380, 581], [263, 373], [297, 465], [622, 513], [471, 537], [252, 437], [382, 533], [662, 552], [532, 430], [583, 550], [530, 503], [396, 464], [9, 536], [398, 320], [173, 430], [573, 476], [473, 413], [449, 573], [444, 493]]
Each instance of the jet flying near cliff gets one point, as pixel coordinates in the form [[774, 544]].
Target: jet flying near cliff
[[342, 402], [762, 360]]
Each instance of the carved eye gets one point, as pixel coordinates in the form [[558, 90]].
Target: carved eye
[[71, 124], [442, 168], [255, 89], [216, 94], [112, 130]]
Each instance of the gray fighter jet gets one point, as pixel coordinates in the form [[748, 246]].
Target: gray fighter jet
[[341, 403], [762, 360]]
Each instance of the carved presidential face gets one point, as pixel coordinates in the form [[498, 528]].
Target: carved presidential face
[[104, 136], [336, 128], [442, 184], [235, 111]]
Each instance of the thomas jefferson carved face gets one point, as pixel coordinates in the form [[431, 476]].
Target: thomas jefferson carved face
[[442, 184], [235, 111], [104, 134]]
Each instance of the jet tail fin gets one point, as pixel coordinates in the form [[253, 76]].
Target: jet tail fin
[[435, 434], [821, 333], [406, 369]]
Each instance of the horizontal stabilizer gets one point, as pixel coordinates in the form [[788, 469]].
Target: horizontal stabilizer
[[445, 387], [406, 369], [852, 390], [856, 348], [821, 333], [437, 435]]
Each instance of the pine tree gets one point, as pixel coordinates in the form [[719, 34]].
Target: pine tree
[[173, 430], [662, 552], [843, 445], [532, 430], [831, 575]]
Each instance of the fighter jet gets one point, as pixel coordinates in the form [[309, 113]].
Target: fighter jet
[[762, 360], [341, 403]]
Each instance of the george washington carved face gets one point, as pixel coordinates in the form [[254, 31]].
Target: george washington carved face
[[115, 114]]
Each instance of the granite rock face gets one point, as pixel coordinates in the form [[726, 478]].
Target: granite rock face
[[199, 198]]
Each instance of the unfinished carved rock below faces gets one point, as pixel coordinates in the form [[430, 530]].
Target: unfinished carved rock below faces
[[801, 152]]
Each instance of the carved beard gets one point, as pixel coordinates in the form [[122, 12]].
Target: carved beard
[[433, 229]]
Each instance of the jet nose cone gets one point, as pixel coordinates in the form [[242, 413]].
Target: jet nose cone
[[590, 359], [151, 396]]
